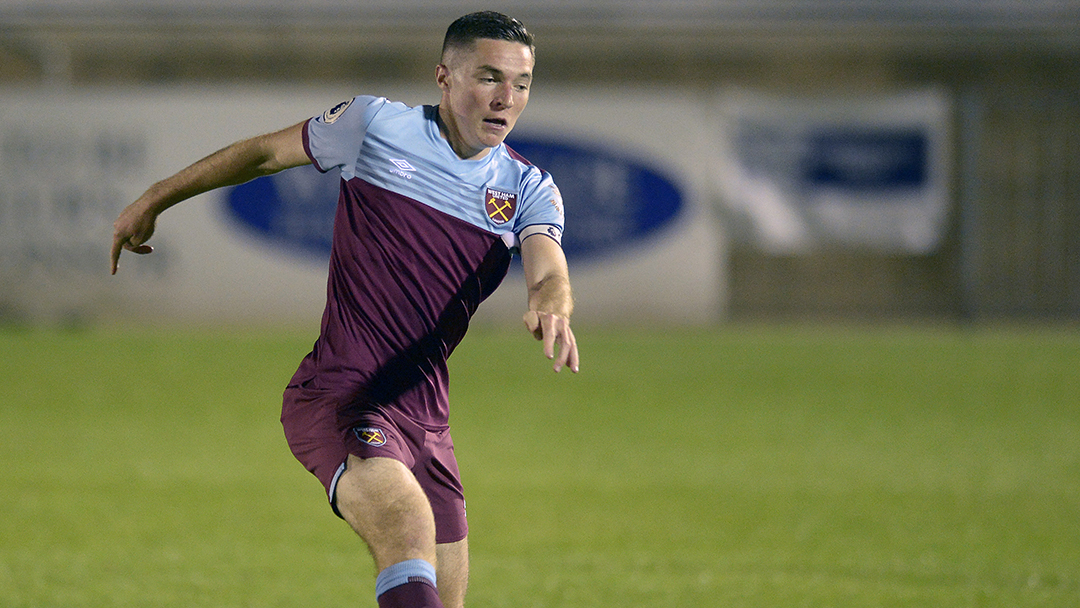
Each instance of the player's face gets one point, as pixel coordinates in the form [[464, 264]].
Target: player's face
[[484, 90]]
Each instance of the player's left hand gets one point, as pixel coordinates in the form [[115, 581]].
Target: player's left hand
[[559, 343]]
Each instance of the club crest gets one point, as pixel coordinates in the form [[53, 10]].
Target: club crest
[[371, 436], [500, 206]]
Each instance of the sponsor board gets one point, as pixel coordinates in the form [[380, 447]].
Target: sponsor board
[[614, 202], [637, 227]]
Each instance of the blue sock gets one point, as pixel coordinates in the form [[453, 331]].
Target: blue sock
[[401, 573]]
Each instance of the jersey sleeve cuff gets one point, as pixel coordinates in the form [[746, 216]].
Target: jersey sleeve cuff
[[549, 230], [307, 146]]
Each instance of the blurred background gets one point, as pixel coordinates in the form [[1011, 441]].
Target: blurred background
[[731, 169], [723, 160]]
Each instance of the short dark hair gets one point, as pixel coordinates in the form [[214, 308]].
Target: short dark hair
[[488, 25]]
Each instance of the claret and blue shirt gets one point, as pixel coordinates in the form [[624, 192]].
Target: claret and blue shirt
[[421, 237]]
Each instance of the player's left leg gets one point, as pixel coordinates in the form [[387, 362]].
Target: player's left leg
[[453, 571], [382, 501]]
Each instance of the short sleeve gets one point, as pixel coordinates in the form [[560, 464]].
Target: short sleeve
[[542, 212], [332, 140]]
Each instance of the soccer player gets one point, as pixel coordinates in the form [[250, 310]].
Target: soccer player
[[432, 206]]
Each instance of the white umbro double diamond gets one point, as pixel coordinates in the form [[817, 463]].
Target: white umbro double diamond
[[402, 168]]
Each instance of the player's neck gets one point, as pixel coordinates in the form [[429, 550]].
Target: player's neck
[[449, 131]]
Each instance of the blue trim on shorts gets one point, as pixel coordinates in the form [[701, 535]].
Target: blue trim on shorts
[[332, 494]]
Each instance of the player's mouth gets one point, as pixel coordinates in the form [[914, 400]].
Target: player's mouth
[[496, 122]]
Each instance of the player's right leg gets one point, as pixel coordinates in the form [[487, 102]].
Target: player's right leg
[[382, 501]]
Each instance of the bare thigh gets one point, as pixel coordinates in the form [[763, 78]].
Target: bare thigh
[[382, 501]]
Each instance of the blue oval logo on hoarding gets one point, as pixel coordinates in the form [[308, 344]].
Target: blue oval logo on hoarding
[[293, 209], [612, 202]]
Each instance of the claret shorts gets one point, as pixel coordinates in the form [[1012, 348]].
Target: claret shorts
[[311, 428]]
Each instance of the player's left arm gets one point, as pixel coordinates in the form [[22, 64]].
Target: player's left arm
[[551, 300]]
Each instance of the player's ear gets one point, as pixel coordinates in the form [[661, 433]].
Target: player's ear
[[442, 76]]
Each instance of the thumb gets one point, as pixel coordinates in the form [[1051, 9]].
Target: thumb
[[532, 323]]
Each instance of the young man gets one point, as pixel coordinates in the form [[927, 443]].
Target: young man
[[432, 206]]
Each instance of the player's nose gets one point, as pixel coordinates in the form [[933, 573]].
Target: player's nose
[[504, 97]]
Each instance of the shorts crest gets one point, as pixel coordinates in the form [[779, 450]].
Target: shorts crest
[[371, 436]]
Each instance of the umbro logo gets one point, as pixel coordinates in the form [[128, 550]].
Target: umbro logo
[[402, 168]]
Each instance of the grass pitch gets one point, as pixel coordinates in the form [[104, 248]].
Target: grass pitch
[[746, 467]]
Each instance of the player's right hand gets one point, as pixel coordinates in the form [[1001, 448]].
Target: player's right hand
[[131, 230]]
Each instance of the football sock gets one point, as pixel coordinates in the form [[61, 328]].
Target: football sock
[[408, 584]]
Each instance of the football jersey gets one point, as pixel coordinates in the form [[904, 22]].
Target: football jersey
[[421, 237]]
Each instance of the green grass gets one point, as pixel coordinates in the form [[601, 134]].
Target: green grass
[[753, 467]]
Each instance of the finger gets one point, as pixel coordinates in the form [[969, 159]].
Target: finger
[[560, 361], [117, 246], [568, 356], [551, 335], [572, 358]]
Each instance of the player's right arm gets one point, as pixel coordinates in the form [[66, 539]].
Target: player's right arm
[[241, 162]]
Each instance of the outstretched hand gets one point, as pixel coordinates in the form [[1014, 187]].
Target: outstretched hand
[[131, 230], [554, 331]]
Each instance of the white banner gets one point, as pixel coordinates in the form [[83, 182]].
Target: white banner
[[860, 172], [642, 243]]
